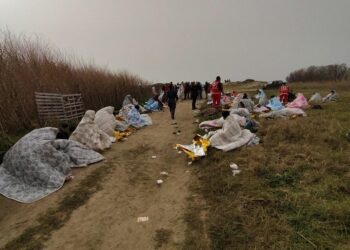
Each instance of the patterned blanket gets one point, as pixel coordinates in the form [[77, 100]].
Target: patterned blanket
[[38, 164]]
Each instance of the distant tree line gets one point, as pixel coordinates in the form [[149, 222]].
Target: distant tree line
[[334, 72]]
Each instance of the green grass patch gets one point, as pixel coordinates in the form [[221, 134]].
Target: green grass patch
[[293, 191]]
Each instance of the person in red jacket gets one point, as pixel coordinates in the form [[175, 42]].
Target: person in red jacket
[[284, 90], [216, 90]]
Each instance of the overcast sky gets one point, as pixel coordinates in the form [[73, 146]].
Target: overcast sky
[[174, 40]]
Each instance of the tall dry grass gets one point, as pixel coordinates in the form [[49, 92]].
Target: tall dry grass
[[29, 65]]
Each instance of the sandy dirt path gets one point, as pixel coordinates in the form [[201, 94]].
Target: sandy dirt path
[[108, 220]]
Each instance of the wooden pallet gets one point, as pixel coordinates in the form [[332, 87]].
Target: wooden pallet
[[51, 106]]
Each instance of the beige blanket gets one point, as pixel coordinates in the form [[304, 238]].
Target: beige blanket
[[106, 121], [89, 134]]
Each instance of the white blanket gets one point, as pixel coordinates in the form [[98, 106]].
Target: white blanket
[[286, 112], [38, 164], [231, 136], [315, 98]]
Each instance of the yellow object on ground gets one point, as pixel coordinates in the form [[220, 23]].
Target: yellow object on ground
[[121, 135], [197, 149]]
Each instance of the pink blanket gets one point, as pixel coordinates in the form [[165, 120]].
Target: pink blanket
[[299, 102]]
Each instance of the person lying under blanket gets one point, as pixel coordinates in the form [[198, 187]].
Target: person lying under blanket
[[231, 136]]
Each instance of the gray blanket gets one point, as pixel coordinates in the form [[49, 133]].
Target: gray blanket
[[38, 164]]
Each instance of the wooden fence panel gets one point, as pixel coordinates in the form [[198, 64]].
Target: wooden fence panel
[[51, 106]]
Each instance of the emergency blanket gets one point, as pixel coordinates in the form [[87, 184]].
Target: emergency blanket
[[197, 149], [275, 104], [121, 135], [330, 97], [299, 102], [248, 104], [38, 164], [315, 98], [261, 97], [260, 109], [152, 105], [89, 133], [236, 101], [133, 117], [231, 136], [241, 112], [217, 123], [106, 121], [286, 112], [129, 100]]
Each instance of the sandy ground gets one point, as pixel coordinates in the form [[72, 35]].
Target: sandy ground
[[108, 220]]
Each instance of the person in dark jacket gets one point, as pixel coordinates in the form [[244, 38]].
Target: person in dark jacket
[[172, 99], [194, 95], [200, 90], [206, 89]]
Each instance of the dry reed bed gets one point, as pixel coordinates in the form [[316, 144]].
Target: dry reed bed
[[28, 65]]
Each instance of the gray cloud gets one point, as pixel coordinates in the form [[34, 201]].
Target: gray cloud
[[174, 40]]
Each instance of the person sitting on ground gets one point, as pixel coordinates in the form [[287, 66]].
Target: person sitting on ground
[[315, 98], [291, 96], [231, 135], [261, 97], [274, 104], [63, 132], [246, 103], [332, 96], [284, 90]]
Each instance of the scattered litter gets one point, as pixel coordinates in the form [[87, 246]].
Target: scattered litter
[[235, 172], [197, 149], [189, 163], [159, 182], [179, 152], [154, 156], [164, 173], [178, 133], [234, 166], [142, 219]]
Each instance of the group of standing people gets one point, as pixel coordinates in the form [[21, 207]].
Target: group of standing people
[[172, 93]]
